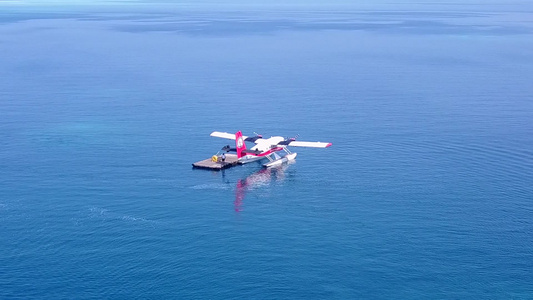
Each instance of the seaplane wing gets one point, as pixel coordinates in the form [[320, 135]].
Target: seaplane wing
[[273, 141], [309, 144]]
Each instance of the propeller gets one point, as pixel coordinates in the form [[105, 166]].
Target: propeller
[[254, 138], [288, 140]]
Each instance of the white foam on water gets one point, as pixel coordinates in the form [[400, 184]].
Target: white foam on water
[[210, 186]]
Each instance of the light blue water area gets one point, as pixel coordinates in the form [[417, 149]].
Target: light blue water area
[[426, 192]]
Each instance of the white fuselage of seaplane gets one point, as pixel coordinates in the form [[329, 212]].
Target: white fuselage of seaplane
[[264, 149]]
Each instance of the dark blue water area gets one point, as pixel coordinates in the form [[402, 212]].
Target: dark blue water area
[[426, 192]]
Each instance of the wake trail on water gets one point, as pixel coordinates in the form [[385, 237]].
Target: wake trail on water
[[105, 215], [211, 186]]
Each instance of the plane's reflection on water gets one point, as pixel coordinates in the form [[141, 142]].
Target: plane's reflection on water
[[257, 180]]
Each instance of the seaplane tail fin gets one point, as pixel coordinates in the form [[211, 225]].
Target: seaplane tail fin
[[239, 144]]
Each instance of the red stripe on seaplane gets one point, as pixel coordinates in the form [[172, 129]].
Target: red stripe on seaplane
[[265, 153]]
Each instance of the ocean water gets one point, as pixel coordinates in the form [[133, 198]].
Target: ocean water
[[426, 193]]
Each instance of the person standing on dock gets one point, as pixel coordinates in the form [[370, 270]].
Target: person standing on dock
[[223, 157]]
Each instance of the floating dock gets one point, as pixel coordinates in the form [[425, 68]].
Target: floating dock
[[231, 160]]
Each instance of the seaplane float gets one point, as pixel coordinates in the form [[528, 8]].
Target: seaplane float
[[264, 148]]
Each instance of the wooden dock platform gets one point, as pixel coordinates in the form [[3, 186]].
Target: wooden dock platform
[[231, 160]]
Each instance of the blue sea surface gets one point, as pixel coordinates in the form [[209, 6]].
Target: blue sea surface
[[426, 193]]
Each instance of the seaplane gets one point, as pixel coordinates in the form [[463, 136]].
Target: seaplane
[[264, 148]]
